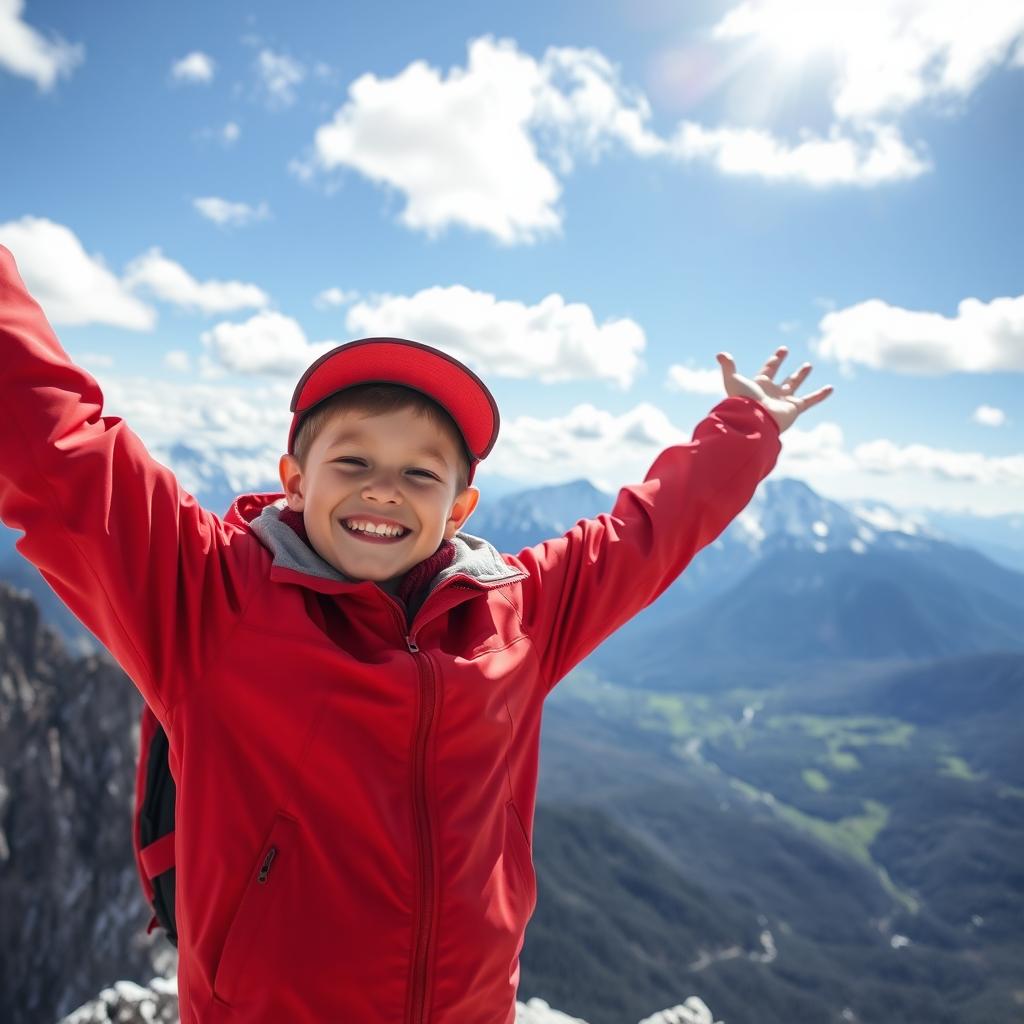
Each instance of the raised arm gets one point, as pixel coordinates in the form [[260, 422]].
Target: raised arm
[[587, 583], [134, 557]]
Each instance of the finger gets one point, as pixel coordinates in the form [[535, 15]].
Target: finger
[[815, 396], [727, 365], [794, 380], [772, 364]]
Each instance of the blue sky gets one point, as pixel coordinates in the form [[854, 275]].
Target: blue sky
[[585, 202]]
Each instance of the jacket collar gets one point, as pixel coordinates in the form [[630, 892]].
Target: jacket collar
[[273, 523]]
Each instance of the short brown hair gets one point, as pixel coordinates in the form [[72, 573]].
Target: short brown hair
[[375, 399]]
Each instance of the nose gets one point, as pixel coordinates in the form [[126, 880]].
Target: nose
[[382, 486]]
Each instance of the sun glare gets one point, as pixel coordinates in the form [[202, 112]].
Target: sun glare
[[798, 30]]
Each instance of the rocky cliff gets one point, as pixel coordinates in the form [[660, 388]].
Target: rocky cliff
[[73, 916]]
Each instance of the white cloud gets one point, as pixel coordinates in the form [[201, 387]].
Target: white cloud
[[482, 146], [171, 282], [178, 359], [550, 341], [989, 416], [887, 458], [279, 75], [695, 382], [330, 298], [582, 106], [225, 212], [230, 132], [24, 51], [612, 450], [242, 429], [72, 287], [607, 449], [195, 67], [459, 147], [268, 342], [879, 155], [984, 337], [888, 55]]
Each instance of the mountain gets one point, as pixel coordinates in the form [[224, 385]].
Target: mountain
[[800, 579], [864, 581], [1000, 537], [73, 914], [970, 696], [526, 517], [22, 576], [868, 820], [797, 607]]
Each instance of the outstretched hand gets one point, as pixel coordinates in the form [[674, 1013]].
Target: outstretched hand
[[778, 399]]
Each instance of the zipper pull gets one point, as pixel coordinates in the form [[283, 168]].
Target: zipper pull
[[411, 644], [265, 870]]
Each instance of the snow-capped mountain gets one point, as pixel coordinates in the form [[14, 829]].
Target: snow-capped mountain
[[788, 513], [527, 517], [798, 577]]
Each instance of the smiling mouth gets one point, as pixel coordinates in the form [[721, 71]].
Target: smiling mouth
[[376, 538]]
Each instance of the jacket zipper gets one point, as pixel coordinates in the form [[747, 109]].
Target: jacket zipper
[[421, 954], [419, 981]]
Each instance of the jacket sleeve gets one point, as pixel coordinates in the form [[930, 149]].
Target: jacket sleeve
[[587, 583], [130, 553]]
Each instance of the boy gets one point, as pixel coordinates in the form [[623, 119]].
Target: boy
[[353, 720]]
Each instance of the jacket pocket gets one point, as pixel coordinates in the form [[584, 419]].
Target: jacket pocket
[[261, 914], [515, 837]]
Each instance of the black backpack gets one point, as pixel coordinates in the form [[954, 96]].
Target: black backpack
[[153, 830]]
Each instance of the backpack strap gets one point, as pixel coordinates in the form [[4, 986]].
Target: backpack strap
[[153, 825], [158, 857]]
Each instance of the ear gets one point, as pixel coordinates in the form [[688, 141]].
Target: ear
[[291, 482], [462, 509]]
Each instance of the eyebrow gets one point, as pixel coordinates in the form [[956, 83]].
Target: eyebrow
[[351, 435]]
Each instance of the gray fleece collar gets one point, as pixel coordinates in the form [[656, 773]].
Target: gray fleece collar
[[474, 556]]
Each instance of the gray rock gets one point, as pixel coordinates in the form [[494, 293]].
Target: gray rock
[[128, 1003]]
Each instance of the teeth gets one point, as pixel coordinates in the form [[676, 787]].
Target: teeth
[[386, 531]]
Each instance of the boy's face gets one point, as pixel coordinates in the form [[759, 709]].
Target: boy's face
[[396, 466]]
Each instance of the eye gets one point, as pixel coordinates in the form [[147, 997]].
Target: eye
[[361, 462]]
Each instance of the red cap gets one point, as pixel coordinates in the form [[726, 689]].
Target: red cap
[[453, 385]]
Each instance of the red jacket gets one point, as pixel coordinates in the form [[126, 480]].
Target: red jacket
[[355, 790]]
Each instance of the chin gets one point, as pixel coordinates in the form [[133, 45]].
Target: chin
[[374, 577]]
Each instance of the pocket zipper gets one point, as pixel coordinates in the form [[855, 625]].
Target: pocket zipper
[[265, 869]]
